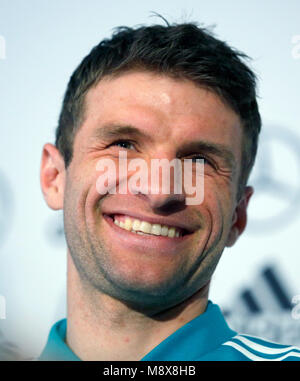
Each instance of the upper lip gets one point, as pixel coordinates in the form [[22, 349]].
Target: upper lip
[[155, 220]]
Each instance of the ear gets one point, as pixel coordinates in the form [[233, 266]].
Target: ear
[[52, 176], [239, 219]]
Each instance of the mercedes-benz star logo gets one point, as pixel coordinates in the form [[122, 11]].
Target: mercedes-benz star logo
[[276, 180]]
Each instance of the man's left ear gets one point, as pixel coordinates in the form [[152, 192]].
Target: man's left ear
[[239, 219]]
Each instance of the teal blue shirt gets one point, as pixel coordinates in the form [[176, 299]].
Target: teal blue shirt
[[205, 338]]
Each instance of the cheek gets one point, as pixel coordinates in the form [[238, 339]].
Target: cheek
[[218, 208], [79, 187], [72, 207]]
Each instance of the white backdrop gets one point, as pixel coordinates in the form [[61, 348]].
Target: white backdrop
[[41, 43]]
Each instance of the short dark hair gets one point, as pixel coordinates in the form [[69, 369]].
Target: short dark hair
[[184, 51]]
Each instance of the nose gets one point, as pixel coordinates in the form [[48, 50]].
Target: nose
[[166, 203], [163, 191]]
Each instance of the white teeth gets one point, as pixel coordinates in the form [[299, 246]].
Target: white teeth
[[145, 228], [141, 233], [136, 225], [128, 224], [164, 231], [171, 232], [156, 229]]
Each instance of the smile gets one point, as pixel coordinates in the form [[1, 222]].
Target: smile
[[137, 226]]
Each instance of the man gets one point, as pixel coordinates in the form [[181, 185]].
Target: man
[[140, 261]]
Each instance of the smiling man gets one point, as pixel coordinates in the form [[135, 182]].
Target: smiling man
[[140, 261]]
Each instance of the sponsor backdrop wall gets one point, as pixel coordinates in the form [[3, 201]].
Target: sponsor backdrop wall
[[257, 282]]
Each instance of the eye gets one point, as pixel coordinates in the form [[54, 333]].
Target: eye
[[126, 144], [199, 158]]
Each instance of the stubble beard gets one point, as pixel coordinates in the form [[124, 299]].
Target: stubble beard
[[97, 275]]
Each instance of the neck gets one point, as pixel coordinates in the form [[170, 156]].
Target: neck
[[101, 328]]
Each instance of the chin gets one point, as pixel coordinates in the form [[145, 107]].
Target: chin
[[143, 291]]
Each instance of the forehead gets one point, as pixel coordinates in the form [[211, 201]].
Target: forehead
[[172, 109]]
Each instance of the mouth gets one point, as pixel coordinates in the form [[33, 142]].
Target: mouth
[[142, 227]]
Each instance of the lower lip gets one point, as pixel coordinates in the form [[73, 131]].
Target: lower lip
[[144, 242]]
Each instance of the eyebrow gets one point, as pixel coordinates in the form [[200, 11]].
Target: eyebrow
[[114, 131], [216, 149]]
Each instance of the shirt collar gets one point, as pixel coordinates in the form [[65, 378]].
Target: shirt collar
[[195, 339], [190, 342], [56, 348]]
